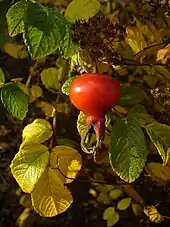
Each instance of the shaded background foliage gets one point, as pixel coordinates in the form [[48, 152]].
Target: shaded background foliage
[[129, 40]]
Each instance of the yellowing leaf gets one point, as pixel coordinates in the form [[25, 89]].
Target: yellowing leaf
[[160, 134], [113, 219], [137, 210], [82, 9], [50, 197], [16, 50], [29, 164], [68, 160], [115, 194], [158, 172], [38, 131], [103, 198], [135, 39], [50, 78], [47, 108], [23, 87], [34, 93], [153, 214], [2, 78], [164, 54], [124, 203], [108, 213]]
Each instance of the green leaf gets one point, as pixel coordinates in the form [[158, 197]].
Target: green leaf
[[160, 136], [128, 150], [82, 9], [108, 212], [139, 113], [15, 17], [29, 164], [14, 100], [3, 10], [131, 95], [123, 204], [68, 48], [44, 30], [66, 86], [115, 193], [2, 78], [113, 220]]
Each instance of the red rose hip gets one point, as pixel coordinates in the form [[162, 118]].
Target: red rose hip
[[94, 95]]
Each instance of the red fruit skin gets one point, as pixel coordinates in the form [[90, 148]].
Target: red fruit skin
[[94, 94]]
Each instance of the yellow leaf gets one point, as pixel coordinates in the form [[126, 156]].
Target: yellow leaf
[[47, 108], [29, 164], [50, 78], [50, 197], [123, 204], [34, 93], [16, 50], [158, 172], [68, 160], [23, 87], [153, 214], [63, 107], [164, 54], [135, 39], [115, 194], [113, 219], [108, 213], [92, 192], [38, 131]]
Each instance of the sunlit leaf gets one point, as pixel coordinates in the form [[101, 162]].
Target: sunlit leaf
[[2, 78], [66, 86], [82, 9], [29, 164], [35, 92], [131, 95], [47, 108], [153, 214], [135, 38], [68, 48], [164, 54], [123, 204], [50, 78], [15, 17], [14, 100], [158, 172], [112, 220], [108, 212], [160, 134], [38, 131], [115, 193], [15, 50], [50, 197], [44, 30], [128, 150], [23, 87], [67, 160]]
